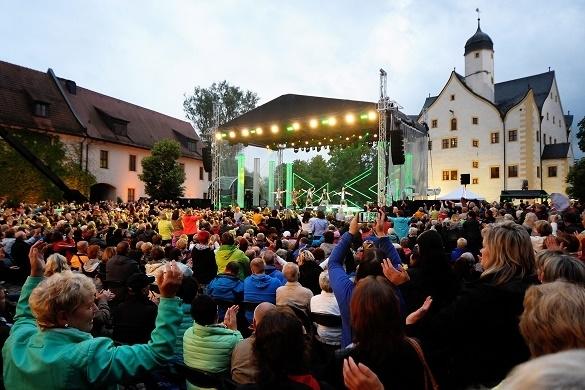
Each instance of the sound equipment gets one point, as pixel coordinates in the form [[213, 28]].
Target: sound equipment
[[465, 178], [397, 147], [206, 154]]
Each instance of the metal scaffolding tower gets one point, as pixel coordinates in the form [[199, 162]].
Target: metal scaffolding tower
[[216, 144]]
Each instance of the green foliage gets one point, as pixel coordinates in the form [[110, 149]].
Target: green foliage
[[21, 181], [232, 102], [576, 181], [581, 134], [162, 175]]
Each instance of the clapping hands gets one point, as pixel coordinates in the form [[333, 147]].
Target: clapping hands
[[415, 316], [230, 319], [395, 276]]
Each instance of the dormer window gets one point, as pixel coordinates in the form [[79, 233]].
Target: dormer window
[[192, 145], [476, 54], [120, 128], [41, 109]]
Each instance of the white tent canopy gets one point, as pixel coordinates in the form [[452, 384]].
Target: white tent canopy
[[459, 193]]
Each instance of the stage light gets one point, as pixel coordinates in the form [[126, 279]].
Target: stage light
[[306, 142], [259, 130], [350, 118], [245, 132], [289, 128], [296, 126], [218, 136], [292, 144], [332, 121], [364, 116], [313, 123], [319, 142], [223, 135], [330, 139], [232, 134], [274, 129], [372, 115], [375, 135]]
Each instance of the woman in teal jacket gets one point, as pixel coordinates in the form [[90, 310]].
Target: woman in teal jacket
[[56, 351]]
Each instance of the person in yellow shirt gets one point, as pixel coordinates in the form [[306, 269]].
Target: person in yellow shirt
[[165, 228], [257, 217], [80, 258]]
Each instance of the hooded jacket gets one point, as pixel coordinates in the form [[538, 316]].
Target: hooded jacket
[[260, 288], [227, 253], [209, 348]]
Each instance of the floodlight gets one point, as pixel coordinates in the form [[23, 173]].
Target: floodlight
[[350, 118], [296, 126], [306, 142], [232, 134], [332, 121], [372, 115], [259, 130], [245, 132], [218, 136], [274, 129], [313, 123]]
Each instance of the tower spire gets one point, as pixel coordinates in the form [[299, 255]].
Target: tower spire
[[478, 19]]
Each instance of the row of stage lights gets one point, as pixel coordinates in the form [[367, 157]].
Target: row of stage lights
[[340, 142], [350, 119]]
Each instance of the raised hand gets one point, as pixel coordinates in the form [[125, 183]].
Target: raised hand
[[379, 226], [359, 376], [230, 319], [354, 226], [36, 258], [415, 316], [395, 276]]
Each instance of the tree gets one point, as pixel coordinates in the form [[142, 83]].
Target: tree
[[162, 175], [20, 181], [576, 180], [581, 134], [231, 102]]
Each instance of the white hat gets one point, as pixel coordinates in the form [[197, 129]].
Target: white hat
[[286, 233]]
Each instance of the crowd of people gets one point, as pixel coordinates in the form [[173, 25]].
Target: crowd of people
[[145, 294]]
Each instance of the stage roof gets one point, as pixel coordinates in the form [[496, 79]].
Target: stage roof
[[299, 121]]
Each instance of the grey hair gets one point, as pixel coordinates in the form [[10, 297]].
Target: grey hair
[[291, 272], [324, 282]]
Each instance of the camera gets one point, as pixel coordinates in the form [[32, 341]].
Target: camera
[[367, 216]]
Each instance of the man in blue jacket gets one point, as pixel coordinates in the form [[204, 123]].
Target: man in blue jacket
[[259, 287], [227, 286]]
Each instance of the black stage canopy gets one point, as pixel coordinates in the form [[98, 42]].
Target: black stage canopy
[[299, 121]]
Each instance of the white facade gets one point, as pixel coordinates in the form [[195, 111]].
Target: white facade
[[499, 144]]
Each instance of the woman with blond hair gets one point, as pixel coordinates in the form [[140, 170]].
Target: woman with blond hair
[[50, 345], [475, 340], [56, 263]]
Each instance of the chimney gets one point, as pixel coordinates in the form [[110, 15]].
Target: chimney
[[71, 87]]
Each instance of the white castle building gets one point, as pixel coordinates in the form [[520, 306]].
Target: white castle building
[[505, 135]]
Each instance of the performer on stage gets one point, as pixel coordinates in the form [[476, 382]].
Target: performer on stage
[[278, 198], [295, 198], [342, 194], [324, 200], [309, 199]]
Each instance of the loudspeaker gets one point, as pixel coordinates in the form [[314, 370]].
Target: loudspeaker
[[465, 178], [397, 147], [524, 184], [206, 154]]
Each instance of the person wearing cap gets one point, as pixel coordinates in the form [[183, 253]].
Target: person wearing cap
[[134, 319], [203, 259]]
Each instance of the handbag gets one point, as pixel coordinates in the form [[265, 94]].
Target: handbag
[[430, 382]]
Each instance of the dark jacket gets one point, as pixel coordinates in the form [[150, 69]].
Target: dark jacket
[[476, 340], [309, 276], [134, 320], [119, 268], [204, 265]]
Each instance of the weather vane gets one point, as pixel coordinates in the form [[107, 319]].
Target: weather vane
[[477, 10]]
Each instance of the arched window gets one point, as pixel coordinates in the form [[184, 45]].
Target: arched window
[[453, 123]]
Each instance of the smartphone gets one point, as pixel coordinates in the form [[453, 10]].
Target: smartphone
[[367, 216]]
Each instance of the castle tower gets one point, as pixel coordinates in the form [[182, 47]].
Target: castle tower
[[479, 64]]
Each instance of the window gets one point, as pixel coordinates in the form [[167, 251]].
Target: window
[[475, 143], [550, 139], [201, 173], [445, 143], [454, 175], [445, 175], [495, 138], [192, 145], [434, 123], [495, 172], [538, 136], [131, 193], [476, 54], [555, 141], [453, 142], [120, 128], [512, 170], [475, 120], [547, 116], [553, 119], [475, 180], [513, 135], [104, 159], [182, 165], [552, 171], [205, 195], [452, 97], [475, 164], [132, 163], [544, 138], [430, 145], [41, 109], [209, 176], [537, 171], [453, 123]]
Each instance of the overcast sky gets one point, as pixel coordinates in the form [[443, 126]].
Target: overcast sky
[[153, 52]]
